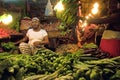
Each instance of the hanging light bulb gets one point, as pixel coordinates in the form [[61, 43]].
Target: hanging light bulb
[[87, 17], [96, 5], [59, 6], [95, 8], [6, 18]]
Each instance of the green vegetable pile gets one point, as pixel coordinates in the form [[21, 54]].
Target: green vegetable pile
[[48, 65], [69, 14], [7, 46], [90, 45]]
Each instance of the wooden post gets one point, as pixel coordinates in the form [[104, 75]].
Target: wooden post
[[78, 27]]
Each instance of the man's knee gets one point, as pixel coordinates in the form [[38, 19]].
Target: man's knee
[[25, 48]]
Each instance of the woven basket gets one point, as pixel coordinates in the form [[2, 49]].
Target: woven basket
[[25, 24]]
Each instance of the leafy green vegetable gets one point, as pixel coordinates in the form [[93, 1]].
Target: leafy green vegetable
[[8, 46], [90, 45], [48, 65]]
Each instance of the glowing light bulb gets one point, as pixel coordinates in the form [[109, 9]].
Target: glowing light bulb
[[59, 6], [96, 5], [7, 19]]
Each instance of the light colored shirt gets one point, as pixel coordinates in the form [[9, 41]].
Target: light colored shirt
[[35, 36]]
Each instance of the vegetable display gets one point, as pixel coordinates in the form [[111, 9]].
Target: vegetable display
[[3, 33], [9, 31], [8, 46], [48, 65], [69, 15]]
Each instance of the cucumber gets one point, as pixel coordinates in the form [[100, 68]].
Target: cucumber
[[94, 75], [108, 71], [34, 77], [11, 69], [19, 74], [82, 78], [52, 76], [66, 77], [16, 66], [116, 76], [87, 74]]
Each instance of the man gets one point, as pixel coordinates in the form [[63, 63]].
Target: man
[[36, 36]]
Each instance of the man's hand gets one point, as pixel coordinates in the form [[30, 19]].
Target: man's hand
[[16, 43], [37, 43]]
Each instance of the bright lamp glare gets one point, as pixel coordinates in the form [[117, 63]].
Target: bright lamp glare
[[94, 11], [7, 19], [96, 5], [84, 24], [0, 20], [59, 6], [87, 17], [95, 8]]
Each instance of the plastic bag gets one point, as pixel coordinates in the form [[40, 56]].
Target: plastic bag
[[48, 9]]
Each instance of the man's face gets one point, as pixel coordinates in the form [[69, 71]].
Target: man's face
[[35, 24]]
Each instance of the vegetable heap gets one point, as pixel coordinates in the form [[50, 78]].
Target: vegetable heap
[[48, 65], [7, 46], [69, 14], [3, 33], [7, 32]]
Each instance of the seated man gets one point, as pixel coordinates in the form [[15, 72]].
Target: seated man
[[36, 36]]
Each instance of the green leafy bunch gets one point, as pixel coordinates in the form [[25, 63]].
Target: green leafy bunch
[[69, 14], [8, 45]]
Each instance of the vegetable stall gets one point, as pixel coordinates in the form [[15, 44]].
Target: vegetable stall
[[48, 65]]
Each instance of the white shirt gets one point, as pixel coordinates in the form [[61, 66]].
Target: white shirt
[[35, 36]]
